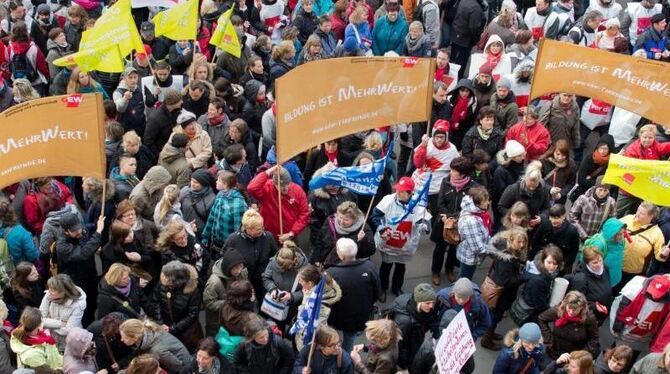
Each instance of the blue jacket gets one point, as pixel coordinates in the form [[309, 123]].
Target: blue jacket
[[351, 43], [507, 364], [328, 42], [20, 243], [479, 316], [321, 364], [389, 36], [652, 42]]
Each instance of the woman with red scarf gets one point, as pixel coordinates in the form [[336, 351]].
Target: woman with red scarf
[[47, 195], [34, 347], [464, 103], [570, 326], [493, 54]]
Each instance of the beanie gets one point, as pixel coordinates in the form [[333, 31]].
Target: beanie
[[441, 126], [185, 118], [43, 9], [504, 82], [599, 182], [204, 177], [462, 288], [486, 69], [514, 148], [424, 292], [530, 333]]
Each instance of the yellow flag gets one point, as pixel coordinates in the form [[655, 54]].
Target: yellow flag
[[225, 36], [105, 59], [179, 22], [115, 27], [646, 179]]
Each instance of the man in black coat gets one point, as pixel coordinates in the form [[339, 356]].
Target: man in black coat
[[161, 121], [555, 229], [466, 29], [360, 286]]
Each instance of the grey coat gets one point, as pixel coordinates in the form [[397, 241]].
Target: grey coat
[[275, 278], [172, 355]]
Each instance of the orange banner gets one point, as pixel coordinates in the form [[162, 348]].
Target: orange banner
[[56, 135], [328, 99], [636, 84]]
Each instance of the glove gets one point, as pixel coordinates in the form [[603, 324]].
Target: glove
[[424, 228]]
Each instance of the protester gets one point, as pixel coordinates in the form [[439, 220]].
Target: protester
[[539, 275], [263, 351], [34, 348], [523, 349], [416, 314]]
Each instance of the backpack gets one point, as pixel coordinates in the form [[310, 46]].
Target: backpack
[[418, 11], [6, 263], [22, 68]]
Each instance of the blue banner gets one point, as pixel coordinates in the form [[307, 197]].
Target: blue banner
[[309, 316], [420, 199]]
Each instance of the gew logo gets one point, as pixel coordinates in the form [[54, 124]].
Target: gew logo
[[73, 101]]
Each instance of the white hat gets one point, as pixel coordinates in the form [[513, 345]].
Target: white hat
[[612, 22], [514, 148]]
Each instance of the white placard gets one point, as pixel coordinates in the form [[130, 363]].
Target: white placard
[[455, 346]]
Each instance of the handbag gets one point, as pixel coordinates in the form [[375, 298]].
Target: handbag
[[491, 292], [520, 311], [274, 308], [450, 231], [227, 343]]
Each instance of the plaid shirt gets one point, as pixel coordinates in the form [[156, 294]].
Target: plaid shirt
[[225, 218], [474, 235]]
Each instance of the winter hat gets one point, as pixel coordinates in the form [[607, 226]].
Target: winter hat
[[424, 292], [486, 69], [70, 222], [530, 333], [504, 82], [229, 260], [130, 69], [441, 126], [514, 148], [612, 22], [599, 182], [185, 118], [203, 177], [462, 288], [656, 18], [43, 9], [404, 184]]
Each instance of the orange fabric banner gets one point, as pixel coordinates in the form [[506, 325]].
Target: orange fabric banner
[[52, 136], [328, 99], [635, 84]]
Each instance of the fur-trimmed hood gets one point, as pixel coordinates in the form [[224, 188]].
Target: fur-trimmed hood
[[95, 192]]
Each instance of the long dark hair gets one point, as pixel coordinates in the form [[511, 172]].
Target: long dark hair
[[20, 283]]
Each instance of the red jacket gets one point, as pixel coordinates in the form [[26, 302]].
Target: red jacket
[[536, 139], [38, 62], [34, 216], [656, 151], [295, 208], [204, 35], [337, 26]]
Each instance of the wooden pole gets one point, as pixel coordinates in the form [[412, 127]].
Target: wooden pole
[[281, 219], [311, 350], [368, 213], [104, 196]]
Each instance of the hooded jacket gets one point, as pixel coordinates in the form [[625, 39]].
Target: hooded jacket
[[196, 206], [507, 110], [587, 175], [54, 315], [256, 253], [175, 162], [389, 36], [172, 355], [536, 138], [274, 357], [131, 112], [612, 250], [502, 69], [508, 172], [513, 361], [54, 52], [413, 325], [324, 204], [537, 289], [35, 58], [76, 360], [456, 134], [507, 269], [215, 289], [224, 218], [123, 185], [587, 214], [34, 356], [75, 254], [146, 195]]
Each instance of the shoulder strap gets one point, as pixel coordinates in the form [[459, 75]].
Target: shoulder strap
[[606, 213], [109, 349], [640, 230], [125, 305], [358, 36]]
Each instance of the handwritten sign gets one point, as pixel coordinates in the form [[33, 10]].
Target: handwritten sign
[[455, 346]]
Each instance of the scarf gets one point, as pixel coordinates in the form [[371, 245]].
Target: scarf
[[559, 165], [466, 307], [493, 60], [599, 159], [484, 134], [348, 230], [332, 157], [567, 108], [125, 291], [215, 369], [602, 270], [198, 195], [460, 110], [565, 319], [217, 120], [440, 73], [600, 201], [191, 136], [414, 45], [459, 183], [486, 219], [42, 337]]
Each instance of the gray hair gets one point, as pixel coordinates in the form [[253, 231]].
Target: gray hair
[[346, 248]]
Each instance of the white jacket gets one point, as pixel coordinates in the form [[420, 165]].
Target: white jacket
[[53, 315]]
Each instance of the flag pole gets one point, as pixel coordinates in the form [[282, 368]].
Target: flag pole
[[368, 213], [104, 196], [311, 348], [281, 220]]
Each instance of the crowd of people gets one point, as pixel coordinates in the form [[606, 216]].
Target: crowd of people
[[199, 253]]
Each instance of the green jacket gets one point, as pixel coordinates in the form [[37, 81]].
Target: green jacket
[[34, 356]]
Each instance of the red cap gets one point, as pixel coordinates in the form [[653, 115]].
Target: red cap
[[486, 69], [147, 51], [404, 184], [658, 286], [442, 126]]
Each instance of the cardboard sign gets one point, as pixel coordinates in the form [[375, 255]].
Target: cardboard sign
[[455, 346]]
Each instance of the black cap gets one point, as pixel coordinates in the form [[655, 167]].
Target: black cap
[[147, 26], [70, 222]]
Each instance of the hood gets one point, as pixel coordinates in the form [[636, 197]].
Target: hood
[[332, 294], [611, 227], [231, 258], [468, 206], [95, 194], [78, 342], [192, 283], [170, 154], [498, 248], [608, 140], [524, 65], [321, 193], [492, 39], [463, 82], [52, 45], [251, 90], [156, 178]]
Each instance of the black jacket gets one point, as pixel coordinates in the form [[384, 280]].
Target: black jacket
[[189, 256], [413, 325], [537, 290], [506, 269], [111, 300], [505, 175], [323, 249], [256, 252], [251, 15], [178, 61], [324, 204], [360, 286], [75, 255], [112, 254], [160, 47], [197, 107], [469, 23], [306, 24], [596, 288], [159, 127], [121, 352], [276, 357], [179, 311], [492, 145], [565, 237], [537, 201]]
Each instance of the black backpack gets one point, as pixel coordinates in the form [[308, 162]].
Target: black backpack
[[22, 68], [418, 11]]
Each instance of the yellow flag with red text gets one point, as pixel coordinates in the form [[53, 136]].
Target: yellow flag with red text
[[646, 179], [179, 22], [225, 36]]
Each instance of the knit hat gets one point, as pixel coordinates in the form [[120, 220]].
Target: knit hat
[[424, 292], [70, 222], [514, 148], [530, 333], [229, 260], [612, 22], [43, 9], [599, 182], [462, 288], [203, 177], [656, 18], [504, 82], [441, 126], [404, 184], [486, 69], [185, 118]]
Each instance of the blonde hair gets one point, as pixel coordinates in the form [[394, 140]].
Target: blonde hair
[[513, 341], [648, 128], [287, 257], [198, 62], [519, 209], [115, 274], [135, 328], [356, 16], [283, 49], [381, 329], [169, 198], [349, 208], [575, 300], [373, 141], [4, 312], [25, 90], [131, 137], [207, 7], [252, 219], [584, 361], [533, 172], [517, 233], [313, 40], [166, 237]]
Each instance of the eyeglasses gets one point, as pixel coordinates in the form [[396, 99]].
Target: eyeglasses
[[334, 345]]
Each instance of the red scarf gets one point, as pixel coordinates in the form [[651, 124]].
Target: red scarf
[[486, 219], [41, 338], [493, 60], [332, 157], [562, 321], [215, 121], [439, 73], [460, 110], [599, 159], [467, 305]]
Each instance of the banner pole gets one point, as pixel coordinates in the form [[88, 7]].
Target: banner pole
[[104, 197], [368, 213], [311, 348], [281, 220]]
